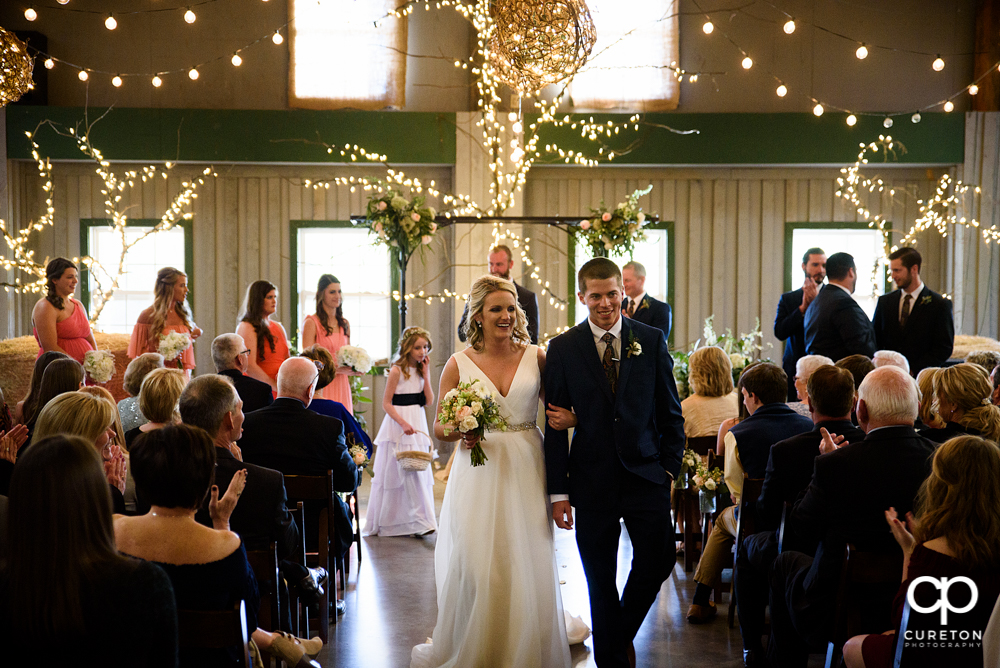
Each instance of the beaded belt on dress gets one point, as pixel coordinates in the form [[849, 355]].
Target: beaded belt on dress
[[524, 426]]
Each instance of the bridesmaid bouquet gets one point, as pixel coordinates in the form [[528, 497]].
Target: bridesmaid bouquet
[[99, 365], [471, 409], [354, 357], [172, 345]]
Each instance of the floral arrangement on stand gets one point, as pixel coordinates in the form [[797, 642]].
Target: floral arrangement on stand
[[709, 485], [172, 345], [354, 357], [401, 224], [690, 461], [742, 350], [471, 409], [615, 230], [99, 365]]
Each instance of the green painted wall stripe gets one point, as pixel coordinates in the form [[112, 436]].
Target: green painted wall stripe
[[239, 135]]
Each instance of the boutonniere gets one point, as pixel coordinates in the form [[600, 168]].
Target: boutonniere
[[642, 305], [634, 349], [926, 300]]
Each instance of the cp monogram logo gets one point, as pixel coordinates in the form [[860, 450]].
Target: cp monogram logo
[[943, 603]]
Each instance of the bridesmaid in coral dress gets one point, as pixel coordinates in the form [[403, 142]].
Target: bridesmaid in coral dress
[[328, 328], [262, 335], [59, 322], [169, 313]]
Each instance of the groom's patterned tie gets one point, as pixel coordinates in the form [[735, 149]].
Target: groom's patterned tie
[[608, 361]]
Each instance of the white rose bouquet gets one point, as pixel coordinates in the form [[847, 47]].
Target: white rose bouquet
[[617, 229], [471, 409], [99, 365], [172, 345], [354, 357]]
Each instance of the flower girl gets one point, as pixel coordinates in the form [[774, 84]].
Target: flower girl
[[402, 499]]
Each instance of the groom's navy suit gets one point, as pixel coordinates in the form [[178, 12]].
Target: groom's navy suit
[[624, 445]]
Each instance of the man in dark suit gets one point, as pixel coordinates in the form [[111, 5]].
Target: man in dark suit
[[500, 261], [789, 322], [617, 375], [835, 325], [638, 304], [789, 469], [231, 358], [288, 437], [853, 484], [914, 320]]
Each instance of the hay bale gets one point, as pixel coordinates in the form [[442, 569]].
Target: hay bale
[[965, 344], [17, 359]]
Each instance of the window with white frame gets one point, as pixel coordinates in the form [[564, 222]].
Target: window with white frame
[[866, 245], [135, 289], [346, 53], [653, 254], [630, 66], [365, 278]]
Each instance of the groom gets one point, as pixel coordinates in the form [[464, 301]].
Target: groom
[[617, 375]]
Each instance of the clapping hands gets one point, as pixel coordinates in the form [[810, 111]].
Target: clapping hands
[[221, 509], [11, 442], [830, 441], [900, 531], [115, 467]]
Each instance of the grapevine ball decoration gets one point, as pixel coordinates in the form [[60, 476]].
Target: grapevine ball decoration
[[534, 43], [15, 68]]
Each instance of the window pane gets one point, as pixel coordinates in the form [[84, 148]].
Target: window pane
[[864, 244], [364, 273], [135, 291]]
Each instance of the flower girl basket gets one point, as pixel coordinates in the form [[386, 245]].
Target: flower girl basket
[[413, 460]]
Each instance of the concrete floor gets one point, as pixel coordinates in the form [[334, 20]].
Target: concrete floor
[[391, 607]]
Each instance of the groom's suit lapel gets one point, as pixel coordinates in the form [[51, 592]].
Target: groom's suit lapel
[[625, 363], [588, 352]]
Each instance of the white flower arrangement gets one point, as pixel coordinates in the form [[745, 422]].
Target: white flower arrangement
[[355, 358], [99, 365], [173, 344], [471, 408], [401, 223]]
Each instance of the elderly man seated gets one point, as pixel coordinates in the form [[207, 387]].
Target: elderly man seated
[[853, 484], [231, 358], [890, 358]]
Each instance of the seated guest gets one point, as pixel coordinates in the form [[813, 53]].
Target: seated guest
[[158, 397], [118, 439], [955, 534], [60, 602], [712, 402], [890, 358], [927, 416], [988, 359], [63, 375], [135, 373], [231, 358], [720, 444], [963, 402], [288, 437], [830, 396], [765, 389], [208, 567], [859, 366], [803, 370], [28, 407], [92, 419], [845, 502], [329, 407]]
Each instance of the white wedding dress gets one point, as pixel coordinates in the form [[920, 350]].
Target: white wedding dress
[[497, 586]]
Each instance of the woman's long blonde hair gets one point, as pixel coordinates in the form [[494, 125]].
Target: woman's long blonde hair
[[960, 501], [482, 288], [102, 393], [407, 342], [966, 386], [74, 413], [927, 412], [163, 303]]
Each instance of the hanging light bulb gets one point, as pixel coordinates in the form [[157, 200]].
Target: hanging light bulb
[[887, 123], [789, 26], [110, 23], [915, 118], [707, 28], [973, 89], [862, 52], [517, 127], [157, 81], [30, 14], [277, 38], [117, 81], [747, 63], [237, 61], [63, 2], [782, 91], [949, 106], [818, 109], [190, 16], [83, 76], [193, 74], [49, 63], [852, 120], [938, 64]]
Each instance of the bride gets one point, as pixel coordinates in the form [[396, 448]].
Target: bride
[[497, 592]]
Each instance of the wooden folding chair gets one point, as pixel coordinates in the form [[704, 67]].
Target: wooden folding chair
[[702, 445], [298, 608], [318, 488], [215, 629], [265, 568]]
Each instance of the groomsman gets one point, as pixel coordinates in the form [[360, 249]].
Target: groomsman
[[914, 320], [639, 305], [789, 322], [500, 261], [835, 325]]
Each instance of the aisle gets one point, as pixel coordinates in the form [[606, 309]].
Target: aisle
[[391, 607]]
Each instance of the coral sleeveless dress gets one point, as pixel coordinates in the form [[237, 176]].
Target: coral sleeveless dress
[[270, 362], [71, 334], [139, 344], [340, 389]]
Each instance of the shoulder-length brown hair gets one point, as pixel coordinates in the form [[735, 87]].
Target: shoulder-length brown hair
[[960, 501], [481, 289], [710, 372], [253, 313], [30, 406], [326, 358]]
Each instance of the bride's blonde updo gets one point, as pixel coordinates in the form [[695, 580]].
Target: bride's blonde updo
[[483, 287]]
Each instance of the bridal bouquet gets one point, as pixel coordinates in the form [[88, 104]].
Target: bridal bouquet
[[354, 357], [99, 365], [471, 409], [401, 223], [617, 229], [172, 345]]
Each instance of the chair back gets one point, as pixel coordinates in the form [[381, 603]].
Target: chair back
[[702, 445], [306, 488], [786, 513], [215, 629], [265, 569], [747, 521]]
